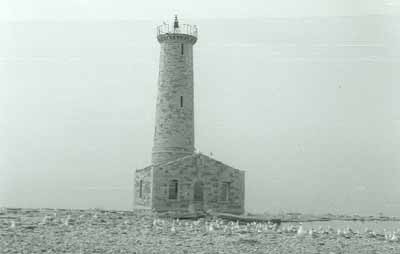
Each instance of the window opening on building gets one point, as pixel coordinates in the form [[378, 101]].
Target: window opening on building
[[225, 189], [173, 189]]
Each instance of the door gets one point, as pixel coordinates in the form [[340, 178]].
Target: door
[[198, 191]]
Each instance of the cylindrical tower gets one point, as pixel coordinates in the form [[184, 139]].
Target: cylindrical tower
[[174, 126]]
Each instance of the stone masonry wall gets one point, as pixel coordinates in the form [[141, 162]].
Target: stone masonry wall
[[211, 173], [174, 125], [145, 175]]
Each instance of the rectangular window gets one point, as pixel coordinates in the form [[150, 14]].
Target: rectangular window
[[182, 49], [141, 189], [181, 101], [173, 189], [225, 189]]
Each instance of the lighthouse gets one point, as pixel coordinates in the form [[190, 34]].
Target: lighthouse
[[174, 125], [178, 178]]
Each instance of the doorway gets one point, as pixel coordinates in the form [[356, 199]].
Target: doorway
[[198, 191]]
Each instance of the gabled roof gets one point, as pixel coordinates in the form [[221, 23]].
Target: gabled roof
[[194, 155], [187, 157]]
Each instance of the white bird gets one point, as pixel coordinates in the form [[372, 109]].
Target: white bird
[[12, 224], [394, 238], [44, 220], [367, 230], [66, 222], [173, 229], [386, 235], [196, 223], [301, 232], [236, 226], [291, 229], [210, 228]]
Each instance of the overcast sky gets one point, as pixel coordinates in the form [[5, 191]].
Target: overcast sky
[[151, 9], [307, 104]]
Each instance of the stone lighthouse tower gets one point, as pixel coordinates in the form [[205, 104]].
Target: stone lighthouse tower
[[179, 179], [174, 126]]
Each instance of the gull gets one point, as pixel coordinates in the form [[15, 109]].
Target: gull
[[386, 234], [236, 226], [312, 233], [301, 232], [12, 224], [291, 228], [371, 233], [173, 229], [66, 222], [394, 238], [210, 228], [340, 232], [347, 232], [350, 230], [44, 220]]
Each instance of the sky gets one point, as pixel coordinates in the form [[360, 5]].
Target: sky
[[151, 9], [304, 98]]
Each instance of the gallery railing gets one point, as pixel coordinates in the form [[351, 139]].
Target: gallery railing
[[182, 29]]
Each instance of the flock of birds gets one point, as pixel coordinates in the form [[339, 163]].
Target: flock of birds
[[298, 231], [230, 227]]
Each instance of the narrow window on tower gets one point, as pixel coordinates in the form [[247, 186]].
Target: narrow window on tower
[[173, 189], [182, 49], [181, 101], [141, 189]]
